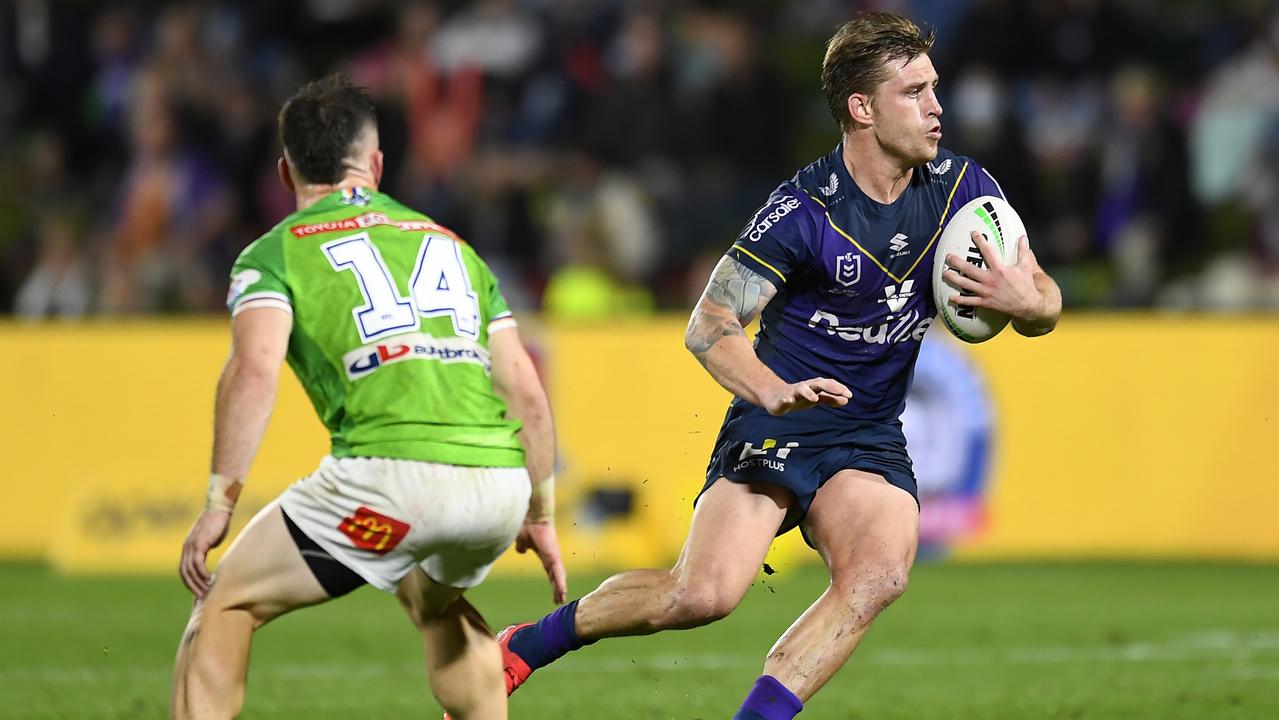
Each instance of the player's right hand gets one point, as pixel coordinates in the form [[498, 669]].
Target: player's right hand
[[540, 538], [807, 393], [208, 532]]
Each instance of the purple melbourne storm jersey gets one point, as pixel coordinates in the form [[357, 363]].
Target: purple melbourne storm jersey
[[854, 277]]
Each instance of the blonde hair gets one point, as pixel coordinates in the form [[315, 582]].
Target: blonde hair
[[859, 50]]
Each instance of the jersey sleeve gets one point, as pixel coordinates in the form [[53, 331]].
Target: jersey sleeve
[[258, 278], [780, 239], [495, 308], [976, 183]]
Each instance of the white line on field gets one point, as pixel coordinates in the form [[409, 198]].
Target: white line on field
[[1251, 655]]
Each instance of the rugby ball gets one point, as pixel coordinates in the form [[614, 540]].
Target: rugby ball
[[994, 218]]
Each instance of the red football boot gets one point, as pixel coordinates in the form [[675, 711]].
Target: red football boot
[[513, 666]]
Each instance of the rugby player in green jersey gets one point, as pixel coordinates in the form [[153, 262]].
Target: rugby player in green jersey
[[442, 448]]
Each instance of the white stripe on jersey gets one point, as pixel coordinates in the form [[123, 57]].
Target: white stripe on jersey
[[501, 323], [262, 299], [992, 179]]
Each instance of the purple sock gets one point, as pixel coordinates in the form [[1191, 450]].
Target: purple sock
[[550, 639], [769, 700]]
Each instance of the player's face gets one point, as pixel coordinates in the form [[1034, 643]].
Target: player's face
[[907, 112]]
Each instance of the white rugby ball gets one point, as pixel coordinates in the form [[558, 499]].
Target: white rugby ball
[[994, 218]]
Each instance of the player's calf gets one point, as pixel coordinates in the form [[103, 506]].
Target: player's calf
[[212, 663]]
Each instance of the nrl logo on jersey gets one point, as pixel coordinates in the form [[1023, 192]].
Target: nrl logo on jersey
[[848, 269], [356, 196], [940, 169]]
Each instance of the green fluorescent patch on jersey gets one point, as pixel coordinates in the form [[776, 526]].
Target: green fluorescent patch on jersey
[[391, 322]]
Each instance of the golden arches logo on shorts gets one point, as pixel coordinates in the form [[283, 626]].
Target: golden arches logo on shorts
[[371, 530]]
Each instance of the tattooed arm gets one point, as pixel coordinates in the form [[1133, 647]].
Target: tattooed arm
[[716, 336]]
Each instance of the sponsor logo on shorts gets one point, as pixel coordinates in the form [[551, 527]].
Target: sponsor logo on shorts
[[767, 455], [414, 346], [371, 530], [769, 215]]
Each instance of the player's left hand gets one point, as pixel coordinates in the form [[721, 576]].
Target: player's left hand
[[1009, 289], [540, 538], [208, 532]]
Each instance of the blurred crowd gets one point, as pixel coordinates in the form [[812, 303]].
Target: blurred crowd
[[601, 154]]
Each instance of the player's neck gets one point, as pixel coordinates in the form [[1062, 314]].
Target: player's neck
[[880, 176], [308, 195]]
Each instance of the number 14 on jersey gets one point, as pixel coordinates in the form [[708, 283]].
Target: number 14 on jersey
[[439, 286]]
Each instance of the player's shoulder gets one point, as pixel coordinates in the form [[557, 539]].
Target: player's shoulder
[[820, 181], [386, 203], [419, 220], [790, 208], [958, 178], [269, 246]]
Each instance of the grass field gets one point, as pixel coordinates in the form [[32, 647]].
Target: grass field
[[1076, 641]]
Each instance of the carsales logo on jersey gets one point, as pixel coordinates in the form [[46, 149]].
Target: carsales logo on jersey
[[365, 360], [779, 209]]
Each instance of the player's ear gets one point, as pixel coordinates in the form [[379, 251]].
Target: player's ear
[[286, 177], [376, 164], [860, 110]]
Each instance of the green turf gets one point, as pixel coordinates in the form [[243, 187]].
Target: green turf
[[1077, 641]]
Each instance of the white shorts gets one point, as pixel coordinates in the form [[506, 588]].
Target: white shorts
[[382, 517]]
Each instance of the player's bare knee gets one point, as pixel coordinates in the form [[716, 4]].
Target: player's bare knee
[[419, 613], [215, 608], [871, 589], [422, 611], [699, 604]]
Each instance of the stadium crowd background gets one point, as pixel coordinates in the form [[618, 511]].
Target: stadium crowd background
[[601, 155]]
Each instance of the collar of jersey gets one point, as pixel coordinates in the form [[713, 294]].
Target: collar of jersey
[[335, 198], [846, 179]]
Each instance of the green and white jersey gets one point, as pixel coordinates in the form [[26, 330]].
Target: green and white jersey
[[391, 320]]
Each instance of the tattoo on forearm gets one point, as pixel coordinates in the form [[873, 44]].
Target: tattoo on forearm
[[704, 332], [733, 298]]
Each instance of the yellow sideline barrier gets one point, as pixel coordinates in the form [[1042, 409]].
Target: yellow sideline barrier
[[1139, 435]]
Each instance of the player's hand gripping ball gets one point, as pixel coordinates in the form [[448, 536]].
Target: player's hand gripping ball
[[1002, 228]]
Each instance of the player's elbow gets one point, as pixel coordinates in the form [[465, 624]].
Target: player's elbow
[[253, 370], [527, 402], [689, 343], [703, 331], [1032, 331], [519, 386]]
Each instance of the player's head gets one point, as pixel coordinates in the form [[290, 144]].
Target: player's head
[[329, 133], [878, 80]]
